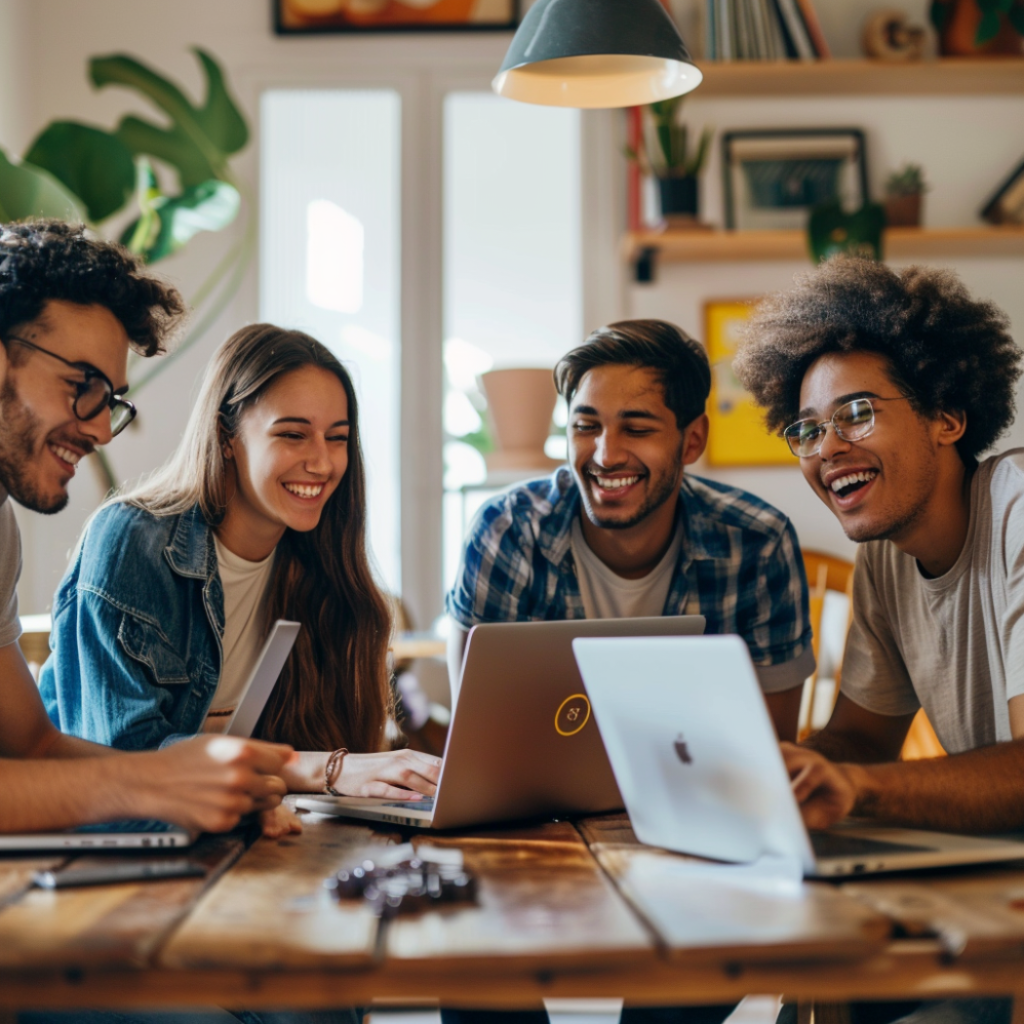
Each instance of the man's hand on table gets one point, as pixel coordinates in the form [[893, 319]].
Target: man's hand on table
[[825, 791], [280, 822], [210, 782]]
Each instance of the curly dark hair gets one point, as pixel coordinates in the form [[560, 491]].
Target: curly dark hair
[[42, 260], [680, 363], [946, 351]]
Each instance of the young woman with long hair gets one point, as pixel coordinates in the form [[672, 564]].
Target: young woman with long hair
[[260, 514]]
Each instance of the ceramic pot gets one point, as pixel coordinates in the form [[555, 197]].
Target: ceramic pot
[[903, 211], [680, 198], [958, 35], [519, 404]]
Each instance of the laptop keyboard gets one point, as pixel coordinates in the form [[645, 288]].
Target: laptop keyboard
[[835, 844], [127, 826], [426, 804]]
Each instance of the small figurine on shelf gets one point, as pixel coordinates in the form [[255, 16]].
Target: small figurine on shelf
[[887, 35], [673, 163], [904, 195]]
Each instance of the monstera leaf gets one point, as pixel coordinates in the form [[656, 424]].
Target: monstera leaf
[[168, 222], [198, 140], [95, 165], [832, 230], [27, 191]]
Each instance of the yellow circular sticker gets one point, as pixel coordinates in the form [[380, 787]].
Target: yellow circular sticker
[[572, 714]]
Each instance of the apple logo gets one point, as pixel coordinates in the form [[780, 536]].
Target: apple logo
[[682, 750]]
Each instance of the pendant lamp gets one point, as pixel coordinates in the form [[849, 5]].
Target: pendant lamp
[[596, 53]]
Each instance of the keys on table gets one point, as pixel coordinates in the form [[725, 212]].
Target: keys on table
[[401, 879]]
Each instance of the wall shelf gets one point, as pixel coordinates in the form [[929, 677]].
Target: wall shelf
[[951, 76], [754, 246]]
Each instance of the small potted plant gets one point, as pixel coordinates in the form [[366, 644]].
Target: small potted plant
[[974, 28], [904, 190], [673, 162]]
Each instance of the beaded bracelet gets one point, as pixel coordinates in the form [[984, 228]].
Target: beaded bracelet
[[333, 762]]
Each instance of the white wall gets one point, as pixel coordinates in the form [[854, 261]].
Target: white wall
[[965, 145]]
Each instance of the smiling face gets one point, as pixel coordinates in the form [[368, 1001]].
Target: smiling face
[[883, 486], [289, 455], [41, 439], [626, 449]]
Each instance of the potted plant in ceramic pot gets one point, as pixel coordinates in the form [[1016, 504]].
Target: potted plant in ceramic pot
[[974, 28], [673, 162], [904, 193]]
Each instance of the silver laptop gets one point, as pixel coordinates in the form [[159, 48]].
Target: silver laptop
[[699, 766], [263, 678], [522, 742], [145, 834]]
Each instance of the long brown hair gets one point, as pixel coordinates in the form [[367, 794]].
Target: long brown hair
[[334, 690]]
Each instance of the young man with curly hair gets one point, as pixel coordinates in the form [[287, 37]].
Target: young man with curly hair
[[889, 387], [70, 309]]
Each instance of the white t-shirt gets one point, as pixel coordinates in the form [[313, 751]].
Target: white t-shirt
[[953, 645], [245, 589], [10, 571], [606, 595]]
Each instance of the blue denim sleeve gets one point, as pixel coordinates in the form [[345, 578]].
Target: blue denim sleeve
[[92, 688]]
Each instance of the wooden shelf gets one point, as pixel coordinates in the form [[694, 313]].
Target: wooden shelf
[[752, 246], [943, 77]]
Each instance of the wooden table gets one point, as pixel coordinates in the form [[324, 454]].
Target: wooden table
[[564, 911]]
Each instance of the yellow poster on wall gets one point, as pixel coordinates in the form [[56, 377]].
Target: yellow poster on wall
[[738, 436]]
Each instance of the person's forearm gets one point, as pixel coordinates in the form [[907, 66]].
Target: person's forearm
[[53, 794], [980, 791], [306, 773], [845, 747], [62, 746]]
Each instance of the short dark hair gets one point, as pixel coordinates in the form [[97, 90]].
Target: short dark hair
[[946, 351], [41, 260], [680, 363]]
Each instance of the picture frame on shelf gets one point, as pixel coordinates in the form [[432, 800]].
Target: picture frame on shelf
[[737, 436], [312, 17], [773, 177]]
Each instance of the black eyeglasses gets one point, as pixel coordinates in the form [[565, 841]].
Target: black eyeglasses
[[95, 392], [852, 422]]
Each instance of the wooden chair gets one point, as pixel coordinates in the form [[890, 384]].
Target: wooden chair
[[826, 572]]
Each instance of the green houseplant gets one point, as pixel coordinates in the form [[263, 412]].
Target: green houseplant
[[969, 28], [170, 181], [672, 160]]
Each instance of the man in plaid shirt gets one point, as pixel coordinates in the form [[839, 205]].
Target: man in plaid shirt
[[622, 532]]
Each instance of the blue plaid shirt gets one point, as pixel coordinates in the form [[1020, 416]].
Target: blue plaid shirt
[[739, 566]]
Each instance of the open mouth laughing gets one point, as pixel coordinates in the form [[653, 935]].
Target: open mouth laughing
[[67, 456], [847, 486], [307, 491]]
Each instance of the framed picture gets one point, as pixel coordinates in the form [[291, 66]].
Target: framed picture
[[312, 16], [738, 436], [773, 178]]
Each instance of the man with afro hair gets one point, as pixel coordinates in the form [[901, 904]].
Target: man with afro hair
[[890, 387], [70, 308]]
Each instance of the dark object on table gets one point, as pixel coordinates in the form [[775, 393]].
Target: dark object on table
[[398, 879], [1007, 205], [117, 871]]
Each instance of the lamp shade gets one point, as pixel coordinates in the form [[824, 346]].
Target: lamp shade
[[596, 53]]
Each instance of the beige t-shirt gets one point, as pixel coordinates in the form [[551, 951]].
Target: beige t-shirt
[[10, 571], [606, 595], [245, 589], [952, 645]]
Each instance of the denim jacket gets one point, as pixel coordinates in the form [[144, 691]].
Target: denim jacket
[[138, 621]]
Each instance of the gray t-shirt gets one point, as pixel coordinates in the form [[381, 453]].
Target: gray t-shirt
[[10, 570], [952, 645], [606, 595]]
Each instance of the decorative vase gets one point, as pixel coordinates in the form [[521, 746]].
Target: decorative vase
[[680, 199], [958, 35], [903, 211], [520, 403]]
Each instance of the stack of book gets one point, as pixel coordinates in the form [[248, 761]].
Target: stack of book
[[764, 30]]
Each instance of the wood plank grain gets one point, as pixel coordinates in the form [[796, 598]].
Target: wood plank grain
[[542, 900], [716, 912], [271, 911], [114, 925], [978, 913], [608, 829]]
